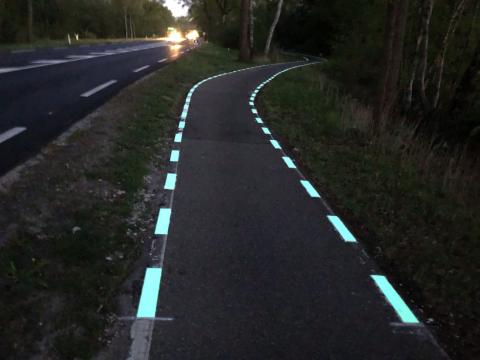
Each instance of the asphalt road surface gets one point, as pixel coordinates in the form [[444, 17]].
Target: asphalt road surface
[[43, 92], [254, 268]]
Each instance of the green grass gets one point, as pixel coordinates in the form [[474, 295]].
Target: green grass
[[62, 284], [421, 234]]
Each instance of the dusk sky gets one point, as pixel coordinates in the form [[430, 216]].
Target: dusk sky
[[176, 8]]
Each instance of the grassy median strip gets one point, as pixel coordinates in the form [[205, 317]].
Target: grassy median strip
[[417, 216], [69, 245]]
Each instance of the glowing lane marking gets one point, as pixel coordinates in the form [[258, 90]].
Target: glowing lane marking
[[259, 120], [178, 137], [161, 61], [150, 290], [289, 162], [163, 221], [181, 125], [341, 228], [310, 189], [170, 181], [266, 131], [11, 133], [403, 311], [275, 144], [252, 103], [184, 114], [141, 68], [254, 111], [98, 88], [174, 155]]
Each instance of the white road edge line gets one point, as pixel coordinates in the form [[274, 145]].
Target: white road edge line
[[98, 88], [11, 133]]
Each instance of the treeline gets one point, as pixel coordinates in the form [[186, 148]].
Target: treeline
[[27, 20], [414, 59]]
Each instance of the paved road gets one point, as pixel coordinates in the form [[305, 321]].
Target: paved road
[[43, 92], [253, 268]]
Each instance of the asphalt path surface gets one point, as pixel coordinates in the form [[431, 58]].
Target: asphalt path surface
[[45, 91], [253, 269]]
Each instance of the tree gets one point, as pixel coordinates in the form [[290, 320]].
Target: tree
[[30, 20], [452, 28], [397, 11], [244, 54], [272, 27], [251, 25], [225, 7]]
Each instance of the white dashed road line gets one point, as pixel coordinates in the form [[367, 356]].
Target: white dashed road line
[[71, 58], [98, 88], [49, 62], [80, 57], [11, 133], [141, 69]]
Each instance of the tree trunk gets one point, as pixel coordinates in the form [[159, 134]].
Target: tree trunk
[[2, 7], [422, 87], [244, 22], [452, 28], [397, 12], [30, 20], [208, 16], [224, 9], [126, 22], [251, 29], [272, 28], [416, 60], [131, 27]]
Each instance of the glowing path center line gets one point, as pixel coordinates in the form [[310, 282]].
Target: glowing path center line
[[341, 228], [403, 311], [150, 290]]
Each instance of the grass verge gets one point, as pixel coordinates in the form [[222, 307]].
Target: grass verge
[[69, 244], [416, 215]]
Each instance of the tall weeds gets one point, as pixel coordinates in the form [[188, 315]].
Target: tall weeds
[[454, 170]]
